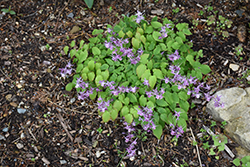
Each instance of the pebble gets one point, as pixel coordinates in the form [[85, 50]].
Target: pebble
[[45, 160], [72, 100], [8, 97], [5, 129], [21, 110], [63, 162], [234, 67], [82, 12], [2, 137], [22, 136], [248, 78], [157, 12], [71, 15], [98, 154], [19, 145], [241, 34], [75, 29], [13, 104]]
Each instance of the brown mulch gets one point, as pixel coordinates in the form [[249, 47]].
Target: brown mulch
[[56, 129]]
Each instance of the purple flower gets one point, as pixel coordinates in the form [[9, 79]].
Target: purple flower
[[146, 82], [133, 89], [177, 114], [174, 56], [207, 96], [69, 65], [217, 102], [109, 30], [139, 17]]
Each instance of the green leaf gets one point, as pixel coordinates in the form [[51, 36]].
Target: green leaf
[[72, 53], [236, 161], [12, 12], [135, 43], [91, 76], [140, 70], [145, 75], [106, 116], [156, 36], [150, 104], [144, 58], [205, 69], [182, 122], [5, 10], [89, 3], [157, 50], [134, 113], [96, 51], [164, 117], [152, 81], [156, 24], [109, 61], [91, 65], [93, 96], [79, 68], [113, 114], [184, 105], [113, 77], [126, 101], [190, 59], [128, 118], [149, 30], [158, 73], [105, 74], [121, 34], [98, 66], [69, 86], [187, 32], [176, 45], [150, 64], [142, 100], [124, 111], [104, 67], [117, 105], [83, 56], [161, 103], [98, 79], [72, 44], [66, 49], [96, 31], [183, 95], [158, 131], [132, 98], [129, 34]]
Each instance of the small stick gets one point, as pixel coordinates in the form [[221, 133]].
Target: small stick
[[64, 126], [199, 158]]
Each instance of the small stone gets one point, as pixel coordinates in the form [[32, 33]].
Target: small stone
[[8, 97], [52, 16], [234, 67], [18, 85], [5, 129], [63, 162], [157, 12], [83, 12], [71, 15], [98, 154], [21, 110], [132, 158], [2, 137], [13, 104], [19, 145], [7, 63], [22, 136], [45, 160], [72, 100], [248, 78]]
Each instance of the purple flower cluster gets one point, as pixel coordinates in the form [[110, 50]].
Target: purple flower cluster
[[174, 56], [156, 93], [66, 70], [129, 138], [163, 31], [119, 51], [146, 118], [139, 17], [217, 102], [120, 89], [103, 105], [86, 89], [176, 131]]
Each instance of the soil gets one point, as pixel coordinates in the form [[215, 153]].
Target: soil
[[42, 124]]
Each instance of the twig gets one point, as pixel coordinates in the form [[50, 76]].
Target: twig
[[64, 126], [32, 134], [161, 159], [199, 158], [226, 148]]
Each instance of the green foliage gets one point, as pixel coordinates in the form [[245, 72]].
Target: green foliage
[[94, 64], [244, 162], [89, 3], [8, 11]]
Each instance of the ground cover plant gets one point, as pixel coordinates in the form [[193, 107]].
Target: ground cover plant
[[42, 124], [143, 72]]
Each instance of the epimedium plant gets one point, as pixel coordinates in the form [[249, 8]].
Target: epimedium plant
[[142, 71]]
